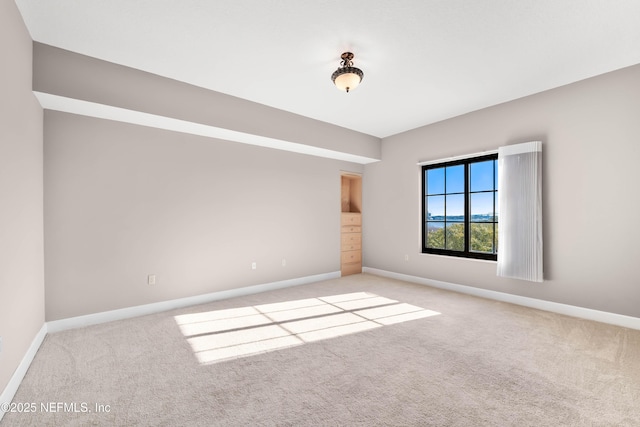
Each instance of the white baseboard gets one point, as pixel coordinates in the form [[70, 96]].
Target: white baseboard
[[569, 310], [142, 310], [12, 387]]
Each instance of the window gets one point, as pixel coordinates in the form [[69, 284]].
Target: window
[[460, 208]]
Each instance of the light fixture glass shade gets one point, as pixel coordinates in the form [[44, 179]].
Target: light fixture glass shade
[[347, 77]]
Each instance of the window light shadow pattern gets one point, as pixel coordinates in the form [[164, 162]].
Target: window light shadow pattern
[[220, 335]]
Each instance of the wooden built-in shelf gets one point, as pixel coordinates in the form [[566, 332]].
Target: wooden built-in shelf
[[351, 225]]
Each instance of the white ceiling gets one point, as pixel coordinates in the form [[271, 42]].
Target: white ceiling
[[423, 60]]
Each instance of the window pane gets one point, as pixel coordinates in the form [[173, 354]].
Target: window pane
[[455, 236], [435, 208], [482, 206], [455, 207], [455, 179], [435, 181], [435, 235], [460, 208], [482, 238], [481, 175]]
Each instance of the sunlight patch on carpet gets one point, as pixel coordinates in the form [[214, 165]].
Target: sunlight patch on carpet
[[226, 334]]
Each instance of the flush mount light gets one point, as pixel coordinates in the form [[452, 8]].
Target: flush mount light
[[347, 77]]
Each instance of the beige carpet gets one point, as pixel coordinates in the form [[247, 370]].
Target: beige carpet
[[461, 361]]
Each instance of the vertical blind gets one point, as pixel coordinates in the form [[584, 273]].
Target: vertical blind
[[520, 201]]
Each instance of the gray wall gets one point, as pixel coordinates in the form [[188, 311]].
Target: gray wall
[[591, 149], [123, 201], [21, 253]]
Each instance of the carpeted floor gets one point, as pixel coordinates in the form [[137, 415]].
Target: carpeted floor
[[422, 357]]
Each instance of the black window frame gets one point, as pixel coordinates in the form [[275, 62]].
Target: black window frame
[[466, 253]]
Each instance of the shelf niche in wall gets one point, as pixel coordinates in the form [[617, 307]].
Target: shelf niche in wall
[[351, 193], [351, 224]]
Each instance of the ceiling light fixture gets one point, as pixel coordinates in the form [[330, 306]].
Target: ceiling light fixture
[[347, 77]]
